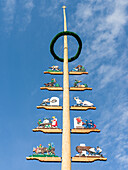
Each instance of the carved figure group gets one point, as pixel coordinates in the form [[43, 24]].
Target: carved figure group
[[84, 150], [42, 150], [53, 101], [84, 103], [54, 68], [79, 68], [52, 83], [78, 123], [76, 84], [48, 123], [45, 102]]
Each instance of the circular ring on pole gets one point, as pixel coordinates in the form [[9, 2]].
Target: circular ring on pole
[[62, 34]]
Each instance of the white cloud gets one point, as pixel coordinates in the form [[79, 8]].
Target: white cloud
[[109, 73], [114, 131], [11, 15], [28, 6], [84, 11], [50, 8], [101, 24], [9, 12], [118, 18]]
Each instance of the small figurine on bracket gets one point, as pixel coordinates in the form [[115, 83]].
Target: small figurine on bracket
[[76, 84], [79, 68], [51, 148], [43, 151], [54, 101], [52, 83], [54, 69], [47, 123], [92, 124], [84, 103], [79, 124], [44, 102], [39, 122], [88, 151], [54, 122], [96, 151]]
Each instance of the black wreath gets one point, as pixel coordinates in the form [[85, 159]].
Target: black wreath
[[62, 34]]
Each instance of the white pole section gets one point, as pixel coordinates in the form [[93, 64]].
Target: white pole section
[[66, 143]]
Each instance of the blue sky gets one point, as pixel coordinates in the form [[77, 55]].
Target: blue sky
[[26, 30]]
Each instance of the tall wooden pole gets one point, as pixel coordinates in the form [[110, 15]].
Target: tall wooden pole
[[66, 144]]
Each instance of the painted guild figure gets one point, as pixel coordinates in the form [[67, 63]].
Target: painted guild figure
[[79, 68], [52, 83], [84, 103], [47, 123], [54, 122], [41, 150], [84, 150], [89, 124], [45, 102], [50, 148], [40, 146], [92, 124], [39, 122], [79, 124], [54, 101], [54, 68], [76, 84]]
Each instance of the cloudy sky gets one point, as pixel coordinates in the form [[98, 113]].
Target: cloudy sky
[[26, 30]]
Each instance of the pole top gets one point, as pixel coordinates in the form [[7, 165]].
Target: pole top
[[64, 7]]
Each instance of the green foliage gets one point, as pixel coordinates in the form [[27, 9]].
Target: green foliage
[[62, 34]]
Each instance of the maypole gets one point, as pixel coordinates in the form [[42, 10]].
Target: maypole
[[85, 153], [66, 144]]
